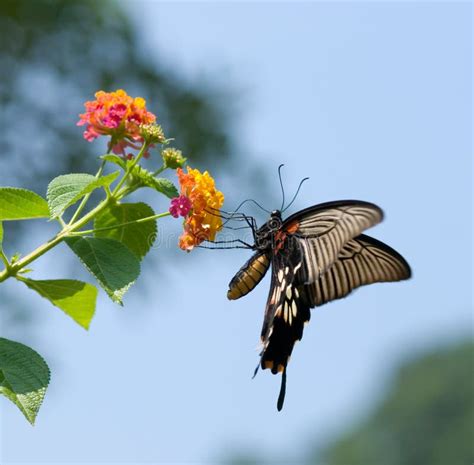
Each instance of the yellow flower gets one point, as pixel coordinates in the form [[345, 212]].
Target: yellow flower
[[203, 220]]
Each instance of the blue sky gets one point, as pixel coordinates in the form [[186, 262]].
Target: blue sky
[[373, 101]]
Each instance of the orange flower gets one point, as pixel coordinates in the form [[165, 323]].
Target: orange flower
[[118, 115], [203, 221]]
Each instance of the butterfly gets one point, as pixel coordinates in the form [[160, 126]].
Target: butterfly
[[316, 255]]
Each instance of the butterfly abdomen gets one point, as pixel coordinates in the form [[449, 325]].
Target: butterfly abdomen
[[248, 276]]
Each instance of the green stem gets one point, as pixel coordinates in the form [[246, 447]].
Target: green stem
[[117, 226], [12, 269], [130, 168], [86, 198], [159, 170], [4, 258]]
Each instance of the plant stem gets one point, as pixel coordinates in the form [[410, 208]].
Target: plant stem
[[159, 170], [4, 258], [117, 226], [130, 168], [12, 269], [86, 198]]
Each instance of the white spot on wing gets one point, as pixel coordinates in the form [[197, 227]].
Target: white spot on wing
[[285, 311], [293, 308]]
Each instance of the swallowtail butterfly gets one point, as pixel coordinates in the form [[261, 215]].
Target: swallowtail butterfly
[[317, 255]]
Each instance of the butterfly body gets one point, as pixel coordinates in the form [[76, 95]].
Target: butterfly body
[[316, 255]]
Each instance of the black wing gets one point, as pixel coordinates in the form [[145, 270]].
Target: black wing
[[286, 312], [324, 229]]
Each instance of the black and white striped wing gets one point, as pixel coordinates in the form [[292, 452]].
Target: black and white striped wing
[[363, 260], [286, 313], [324, 229]]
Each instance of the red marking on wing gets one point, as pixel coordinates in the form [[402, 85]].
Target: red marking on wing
[[292, 227]]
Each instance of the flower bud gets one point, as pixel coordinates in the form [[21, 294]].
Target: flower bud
[[173, 158], [152, 133]]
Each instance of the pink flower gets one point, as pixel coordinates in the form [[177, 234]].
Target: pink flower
[[118, 115], [180, 206]]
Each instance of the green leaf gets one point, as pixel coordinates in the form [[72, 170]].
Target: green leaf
[[21, 204], [165, 186], [112, 158], [138, 237], [67, 189], [75, 298], [24, 377], [144, 178], [109, 261], [1, 235]]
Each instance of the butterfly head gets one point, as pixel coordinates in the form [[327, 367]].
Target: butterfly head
[[266, 233]]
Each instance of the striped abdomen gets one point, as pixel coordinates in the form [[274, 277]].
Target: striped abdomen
[[248, 276]]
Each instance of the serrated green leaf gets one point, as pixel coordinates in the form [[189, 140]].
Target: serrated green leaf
[[75, 298], [21, 204], [142, 177], [137, 237], [67, 189], [24, 377], [112, 158], [113, 265]]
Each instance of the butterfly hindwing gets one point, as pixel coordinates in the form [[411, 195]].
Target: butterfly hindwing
[[286, 311], [363, 260]]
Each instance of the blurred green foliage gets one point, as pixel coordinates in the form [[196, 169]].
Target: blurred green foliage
[[427, 417], [55, 55]]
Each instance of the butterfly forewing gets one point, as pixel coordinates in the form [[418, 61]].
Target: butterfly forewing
[[324, 229]]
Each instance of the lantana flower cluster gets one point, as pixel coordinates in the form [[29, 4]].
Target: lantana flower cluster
[[201, 211], [117, 115]]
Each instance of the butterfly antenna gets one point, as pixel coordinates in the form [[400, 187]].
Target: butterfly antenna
[[281, 186], [297, 192], [281, 397], [253, 201]]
